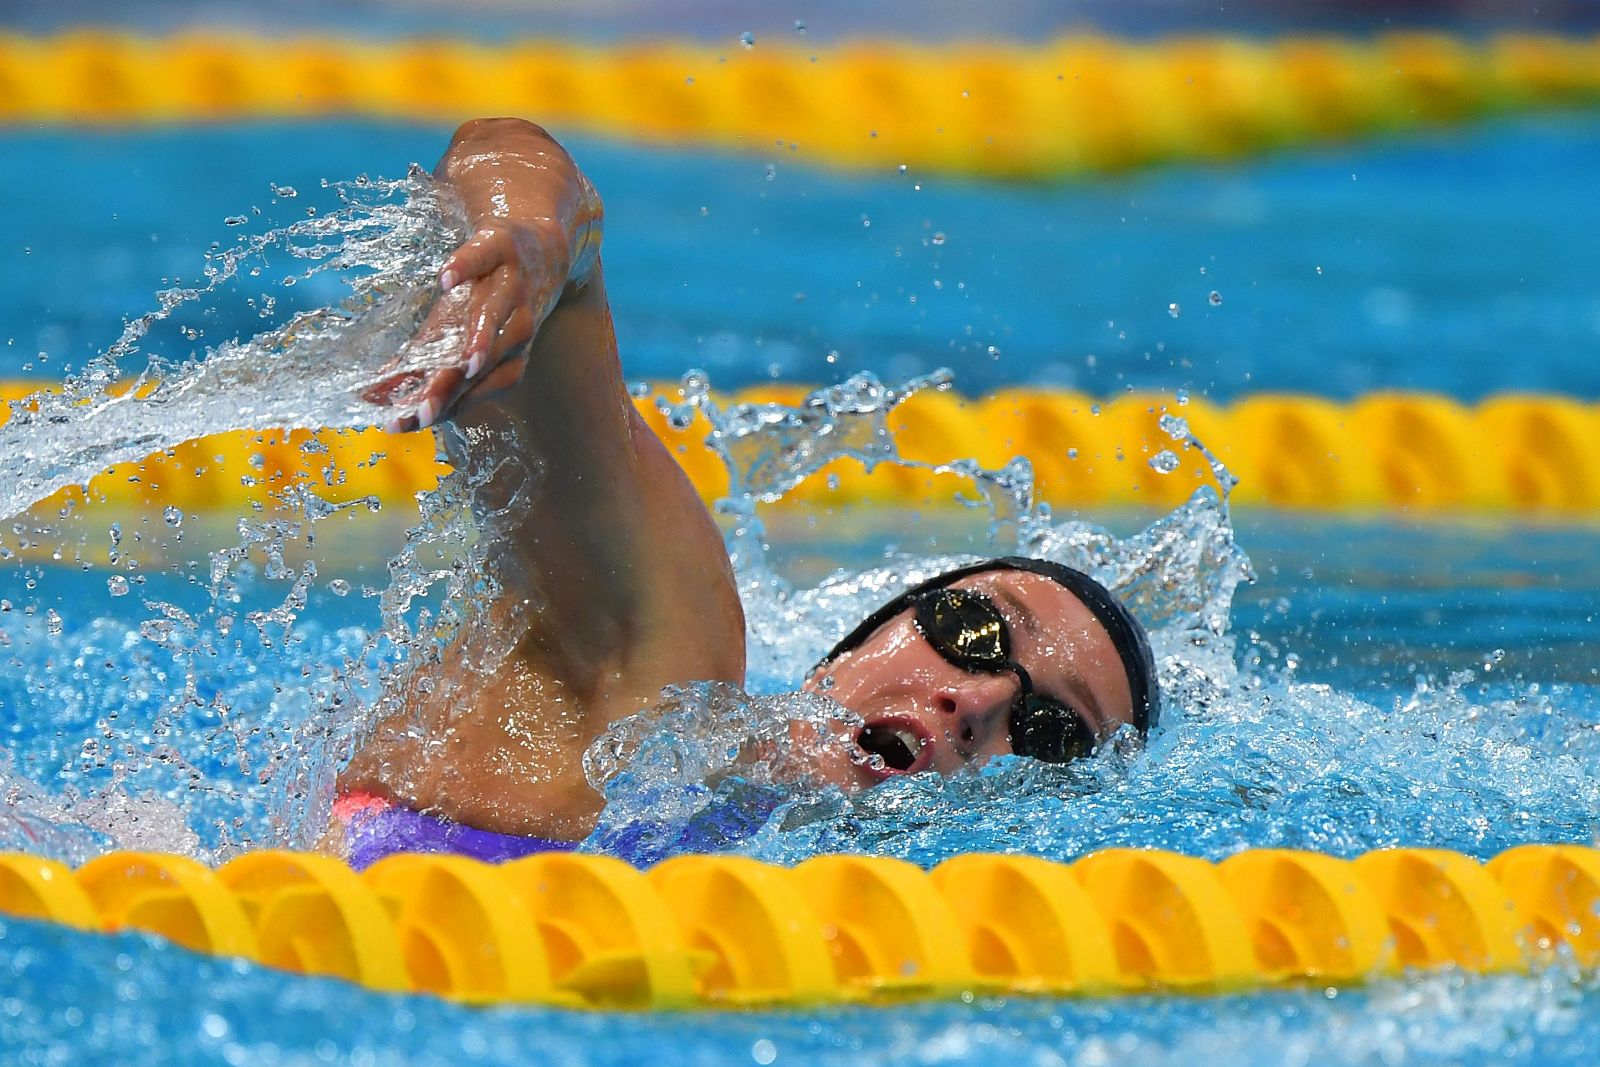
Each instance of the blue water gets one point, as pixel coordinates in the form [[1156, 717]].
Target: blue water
[[1458, 261], [73, 999], [1387, 683]]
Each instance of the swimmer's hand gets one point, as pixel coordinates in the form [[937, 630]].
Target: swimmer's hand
[[536, 235]]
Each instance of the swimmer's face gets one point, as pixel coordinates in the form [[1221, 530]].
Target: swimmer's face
[[922, 712]]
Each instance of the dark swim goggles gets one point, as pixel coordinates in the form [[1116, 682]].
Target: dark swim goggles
[[966, 629]]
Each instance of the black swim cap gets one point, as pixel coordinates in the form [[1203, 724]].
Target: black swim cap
[[1127, 635]]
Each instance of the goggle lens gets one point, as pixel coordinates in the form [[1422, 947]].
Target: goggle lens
[[967, 630], [1047, 730]]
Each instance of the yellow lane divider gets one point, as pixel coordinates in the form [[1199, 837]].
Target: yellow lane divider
[[699, 931], [1411, 452], [1071, 105]]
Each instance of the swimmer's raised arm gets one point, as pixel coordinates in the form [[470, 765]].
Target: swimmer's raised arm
[[634, 586]]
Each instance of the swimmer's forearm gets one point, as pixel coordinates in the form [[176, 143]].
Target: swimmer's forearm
[[509, 172]]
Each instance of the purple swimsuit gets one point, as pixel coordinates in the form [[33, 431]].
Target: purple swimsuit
[[375, 828]]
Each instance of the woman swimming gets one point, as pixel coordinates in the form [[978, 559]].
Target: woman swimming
[[635, 589]]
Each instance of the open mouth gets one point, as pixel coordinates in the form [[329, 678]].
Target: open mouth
[[899, 747]]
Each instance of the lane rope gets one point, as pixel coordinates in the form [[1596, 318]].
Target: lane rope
[[1073, 105], [1387, 452], [587, 931]]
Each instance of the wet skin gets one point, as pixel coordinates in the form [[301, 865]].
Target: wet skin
[[946, 717], [634, 583]]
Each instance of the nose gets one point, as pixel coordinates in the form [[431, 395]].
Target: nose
[[976, 709]]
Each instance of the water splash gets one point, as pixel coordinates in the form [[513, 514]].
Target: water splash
[[218, 720], [1248, 756], [384, 244], [666, 771]]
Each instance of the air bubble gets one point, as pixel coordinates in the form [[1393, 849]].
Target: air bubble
[[339, 587], [1215, 299], [117, 585], [1174, 310], [747, 39], [236, 220], [173, 516], [937, 238]]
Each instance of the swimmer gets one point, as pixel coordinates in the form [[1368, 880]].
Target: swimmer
[[636, 590]]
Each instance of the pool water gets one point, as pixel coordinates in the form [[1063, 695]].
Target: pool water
[[1381, 683], [1455, 261]]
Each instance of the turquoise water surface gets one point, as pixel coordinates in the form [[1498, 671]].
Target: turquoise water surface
[[1379, 683]]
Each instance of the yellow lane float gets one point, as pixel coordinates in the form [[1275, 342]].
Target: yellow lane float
[[1067, 106], [1417, 453], [582, 931]]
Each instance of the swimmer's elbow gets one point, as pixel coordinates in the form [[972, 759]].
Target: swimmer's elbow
[[500, 130]]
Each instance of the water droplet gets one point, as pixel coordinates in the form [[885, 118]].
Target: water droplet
[[1215, 299], [52, 622], [994, 351], [902, 168], [747, 39], [117, 585], [173, 516], [1174, 426], [5, 605], [1164, 462], [937, 238], [236, 220], [764, 1052], [339, 587], [1174, 310], [799, 25]]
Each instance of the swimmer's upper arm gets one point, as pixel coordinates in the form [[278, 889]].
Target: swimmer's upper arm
[[617, 540], [632, 585]]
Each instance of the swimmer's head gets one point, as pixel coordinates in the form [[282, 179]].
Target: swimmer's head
[[1012, 655]]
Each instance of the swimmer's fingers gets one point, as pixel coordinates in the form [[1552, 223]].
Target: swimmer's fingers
[[499, 325], [504, 375], [439, 396], [500, 320], [401, 381], [480, 255]]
